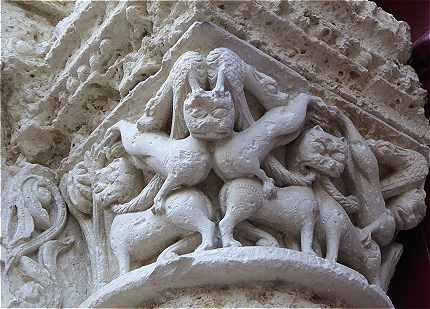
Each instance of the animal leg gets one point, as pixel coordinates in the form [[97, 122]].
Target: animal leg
[[183, 246], [372, 261], [259, 236], [332, 244], [240, 211], [226, 227], [239, 199], [170, 184], [307, 235], [390, 257], [208, 231], [123, 259]]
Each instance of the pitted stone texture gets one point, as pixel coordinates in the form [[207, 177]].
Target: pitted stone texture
[[118, 62], [251, 296]]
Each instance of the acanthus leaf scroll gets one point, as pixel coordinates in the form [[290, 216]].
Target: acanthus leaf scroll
[[35, 215]]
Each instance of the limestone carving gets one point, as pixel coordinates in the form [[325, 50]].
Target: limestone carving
[[41, 287], [143, 235], [170, 97], [35, 215], [403, 187], [293, 211], [203, 137], [242, 155], [104, 179], [198, 159], [36, 212]]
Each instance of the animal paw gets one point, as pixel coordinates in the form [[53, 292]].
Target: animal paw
[[158, 208], [231, 243], [167, 256], [264, 242], [269, 189]]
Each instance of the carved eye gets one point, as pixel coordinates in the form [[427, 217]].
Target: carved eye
[[198, 113], [220, 113]]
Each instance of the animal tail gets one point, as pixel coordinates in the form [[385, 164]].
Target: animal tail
[[144, 200], [209, 206]]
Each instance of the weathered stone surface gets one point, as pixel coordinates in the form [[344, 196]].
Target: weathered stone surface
[[244, 153], [261, 296]]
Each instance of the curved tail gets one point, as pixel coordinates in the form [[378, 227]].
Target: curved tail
[[223, 197]]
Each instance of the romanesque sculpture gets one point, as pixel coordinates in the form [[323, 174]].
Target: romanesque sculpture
[[141, 235], [215, 130], [201, 159], [35, 215], [36, 212], [41, 286]]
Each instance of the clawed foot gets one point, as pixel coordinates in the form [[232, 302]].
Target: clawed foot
[[269, 189], [167, 256], [264, 242], [309, 178], [231, 243], [158, 208]]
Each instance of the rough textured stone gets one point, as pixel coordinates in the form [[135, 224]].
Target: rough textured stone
[[268, 296], [170, 133]]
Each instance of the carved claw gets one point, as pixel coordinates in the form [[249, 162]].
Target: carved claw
[[267, 243], [317, 102], [269, 189], [231, 243], [158, 208], [167, 256]]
